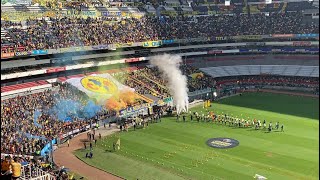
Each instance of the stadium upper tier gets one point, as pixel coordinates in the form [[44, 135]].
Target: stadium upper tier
[[169, 7], [57, 33]]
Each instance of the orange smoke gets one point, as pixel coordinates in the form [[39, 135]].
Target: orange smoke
[[114, 104], [128, 97]]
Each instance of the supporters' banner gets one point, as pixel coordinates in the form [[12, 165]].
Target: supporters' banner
[[24, 53], [219, 38], [282, 35], [98, 86], [7, 55], [106, 46], [39, 52], [171, 41], [73, 49], [152, 44], [301, 43], [83, 14], [306, 35], [111, 14], [312, 49], [137, 109], [22, 2], [254, 37], [57, 69], [132, 60], [204, 39], [22, 16]]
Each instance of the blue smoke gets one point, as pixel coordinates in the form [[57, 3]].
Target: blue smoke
[[67, 110], [91, 109], [30, 136], [35, 118]]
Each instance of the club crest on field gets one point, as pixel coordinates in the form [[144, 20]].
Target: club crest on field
[[222, 143]]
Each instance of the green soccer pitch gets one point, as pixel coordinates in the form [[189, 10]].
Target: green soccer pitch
[[173, 150]]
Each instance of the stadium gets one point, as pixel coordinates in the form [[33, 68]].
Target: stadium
[[159, 89]]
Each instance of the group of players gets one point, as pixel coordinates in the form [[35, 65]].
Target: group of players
[[231, 121]]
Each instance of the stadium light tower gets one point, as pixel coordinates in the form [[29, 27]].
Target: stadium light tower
[[268, 1], [227, 2]]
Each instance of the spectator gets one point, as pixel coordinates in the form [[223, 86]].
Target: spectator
[[16, 168]]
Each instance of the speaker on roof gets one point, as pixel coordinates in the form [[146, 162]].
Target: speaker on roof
[[268, 1], [227, 2]]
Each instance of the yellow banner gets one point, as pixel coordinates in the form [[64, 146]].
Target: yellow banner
[[152, 44], [197, 75]]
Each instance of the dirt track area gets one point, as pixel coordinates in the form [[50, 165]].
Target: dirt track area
[[63, 156]]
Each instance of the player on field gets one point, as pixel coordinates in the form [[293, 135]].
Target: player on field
[[277, 125]]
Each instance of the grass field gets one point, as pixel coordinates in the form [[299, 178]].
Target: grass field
[[176, 150]]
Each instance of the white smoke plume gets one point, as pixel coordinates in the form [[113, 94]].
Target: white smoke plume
[[177, 82]]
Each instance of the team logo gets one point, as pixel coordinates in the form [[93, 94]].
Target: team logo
[[222, 143], [99, 85]]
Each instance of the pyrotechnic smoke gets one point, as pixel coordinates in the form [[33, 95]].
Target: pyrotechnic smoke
[[121, 100], [36, 115], [128, 97], [177, 82], [115, 104], [65, 109]]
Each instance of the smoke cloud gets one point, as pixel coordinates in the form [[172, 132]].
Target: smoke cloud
[[67, 109], [177, 82]]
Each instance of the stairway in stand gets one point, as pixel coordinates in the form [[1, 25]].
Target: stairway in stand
[[145, 98], [156, 82], [143, 84]]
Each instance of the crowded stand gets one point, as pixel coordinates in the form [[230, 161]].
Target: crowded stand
[[68, 32], [244, 82], [30, 121], [151, 80], [25, 137]]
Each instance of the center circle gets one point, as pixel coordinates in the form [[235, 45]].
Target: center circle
[[222, 143]]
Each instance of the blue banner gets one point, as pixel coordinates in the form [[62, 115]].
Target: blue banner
[[312, 49], [265, 49], [306, 35], [47, 147], [243, 50], [171, 41], [39, 52]]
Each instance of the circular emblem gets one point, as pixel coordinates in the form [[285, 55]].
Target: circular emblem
[[222, 143], [99, 85]]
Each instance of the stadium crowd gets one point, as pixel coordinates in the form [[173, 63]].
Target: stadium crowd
[[68, 32], [32, 167], [23, 133], [270, 80]]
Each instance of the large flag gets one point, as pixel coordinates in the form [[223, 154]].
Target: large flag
[[99, 86], [118, 144], [196, 75]]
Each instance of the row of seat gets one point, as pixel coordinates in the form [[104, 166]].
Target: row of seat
[[23, 86], [284, 70]]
